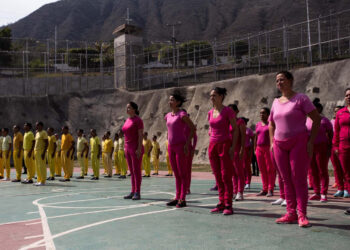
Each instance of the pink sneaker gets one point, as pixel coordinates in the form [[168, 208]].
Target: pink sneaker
[[219, 208], [323, 198], [287, 219], [315, 197], [228, 210], [303, 221]]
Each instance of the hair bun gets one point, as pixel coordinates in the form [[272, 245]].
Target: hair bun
[[316, 100]]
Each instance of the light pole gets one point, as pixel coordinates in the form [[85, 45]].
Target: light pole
[[173, 39], [308, 31]]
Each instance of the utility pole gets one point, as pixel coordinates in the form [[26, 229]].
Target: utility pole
[[173, 40], [308, 31], [55, 48]]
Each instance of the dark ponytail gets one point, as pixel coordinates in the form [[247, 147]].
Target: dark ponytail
[[317, 104], [179, 98], [220, 91], [135, 107]]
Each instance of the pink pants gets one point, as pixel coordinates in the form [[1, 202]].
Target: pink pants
[[189, 167], [319, 168], [247, 162], [179, 164], [134, 164], [266, 167], [338, 172], [344, 157], [238, 173], [292, 161], [221, 165], [280, 178]]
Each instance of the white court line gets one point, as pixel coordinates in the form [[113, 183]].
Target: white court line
[[33, 237], [35, 244], [34, 223], [46, 229], [33, 212]]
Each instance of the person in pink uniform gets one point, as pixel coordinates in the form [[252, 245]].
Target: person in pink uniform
[[321, 155], [263, 154], [179, 147], [247, 162], [221, 148], [133, 134], [238, 158], [292, 146], [342, 140], [337, 169]]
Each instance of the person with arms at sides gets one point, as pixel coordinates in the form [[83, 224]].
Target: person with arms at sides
[[115, 155], [6, 152], [247, 162], [28, 147], [58, 161], [107, 152], [67, 147], [121, 155], [95, 149], [17, 152], [51, 151], [40, 149], [146, 158], [155, 155], [170, 170], [82, 148], [1, 159]]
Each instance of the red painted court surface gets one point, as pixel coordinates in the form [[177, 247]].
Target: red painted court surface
[[84, 214]]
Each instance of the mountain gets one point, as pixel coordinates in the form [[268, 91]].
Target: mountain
[[201, 19]]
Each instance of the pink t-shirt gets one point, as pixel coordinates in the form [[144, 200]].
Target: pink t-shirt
[[290, 117], [240, 122], [176, 127], [341, 138], [325, 126], [194, 138], [262, 134], [333, 122], [249, 134], [130, 130], [220, 126]]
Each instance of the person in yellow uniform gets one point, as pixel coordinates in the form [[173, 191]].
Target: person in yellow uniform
[[1, 159], [170, 170], [40, 148], [86, 157], [51, 151], [95, 148], [104, 166], [28, 147], [146, 158], [121, 156], [82, 148], [155, 155], [115, 154], [58, 161], [71, 166], [6, 152], [17, 152], [107, 152], [67, 145]]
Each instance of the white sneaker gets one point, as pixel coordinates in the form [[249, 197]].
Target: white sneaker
[[239, 197], [284, 203], [278, 202], [247, 186], [5, 179], [39, 184]]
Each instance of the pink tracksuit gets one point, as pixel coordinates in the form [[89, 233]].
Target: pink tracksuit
[[192, 147], [320, 158], [248, 156], [238, 168], [337, 169], [219, 157], [264, 157], [130, 129], [290, 149], [341, 142], [178, 160]]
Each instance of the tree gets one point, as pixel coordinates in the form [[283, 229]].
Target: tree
[[5, 45]]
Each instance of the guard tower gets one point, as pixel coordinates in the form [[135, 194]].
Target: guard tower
[[128, 57]]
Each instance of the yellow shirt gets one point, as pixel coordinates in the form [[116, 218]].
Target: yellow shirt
[[28, 140], [6, 143], [155, 148], [94, 143], [147, 144], [39, 140], [1, 140], [66, 142], [81, 144], [116, 146], [17, 139], [58, 143], [121, 144], [52, 141], [107, 146]]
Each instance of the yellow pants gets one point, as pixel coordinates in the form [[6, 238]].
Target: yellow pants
[[66, 164], [146, 163], [6, 163], [170, 170], [122, 162], [155, 163], [40, 165], [30, 164], [71, 166], [17, 162], [95, 162], [81, 161], [1, 166], [116, 163], [51, 163], [58, 164], [86, 165], [107, 163]]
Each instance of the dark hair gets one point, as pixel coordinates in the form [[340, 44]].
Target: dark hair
[[267, 110], [287, 74], [246, 120], [28, 124], [51, 129], [93, 130], [155, 136], [145, 133], [220, 91], [234, 107], [135, 107], [347, 89], [17, 127], [317, 104], [179, 97], [6, 129], [339, 107], [120, 131], [80, 130], [41, 124], [65, 127], [108, 133]]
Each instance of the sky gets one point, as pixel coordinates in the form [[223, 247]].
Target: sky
[[13, 10]]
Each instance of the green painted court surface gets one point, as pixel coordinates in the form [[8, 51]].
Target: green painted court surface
[[83, 214]]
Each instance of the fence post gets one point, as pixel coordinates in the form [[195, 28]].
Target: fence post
[[259, 53], [235, 56], [338, 34], [215, 59], [194, 64], [319, 39]]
